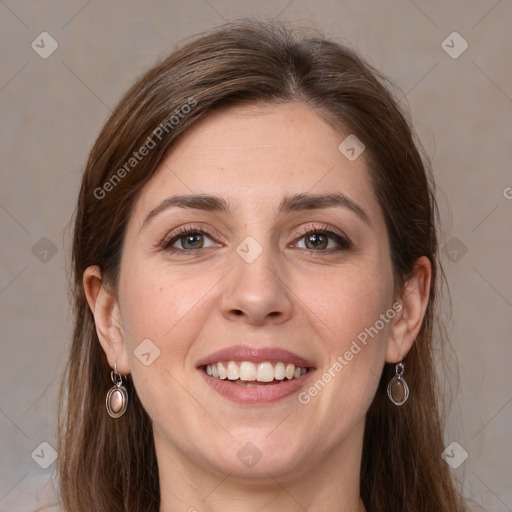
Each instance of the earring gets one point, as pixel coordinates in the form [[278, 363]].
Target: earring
[[117, 397], [398, 391]]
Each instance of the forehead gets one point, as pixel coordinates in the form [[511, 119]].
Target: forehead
[[253, 155]]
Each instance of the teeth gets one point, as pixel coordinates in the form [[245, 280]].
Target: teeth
[[248, 371], [279, 371], [265, 372], [233, 371], [221, 370]]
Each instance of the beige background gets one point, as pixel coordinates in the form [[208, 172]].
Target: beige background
[[52, 110]]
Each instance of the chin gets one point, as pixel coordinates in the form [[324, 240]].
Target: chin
[[258, 457]]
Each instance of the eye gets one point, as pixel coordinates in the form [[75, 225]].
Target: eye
[[190, 239], [323, 240], [187, 239]]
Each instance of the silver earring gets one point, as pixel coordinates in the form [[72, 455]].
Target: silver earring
[[398, 391], [117, 397]]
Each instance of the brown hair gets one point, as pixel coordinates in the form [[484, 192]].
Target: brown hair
[[108, 464]]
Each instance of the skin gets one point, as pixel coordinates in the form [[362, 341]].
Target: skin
[[311, 299]]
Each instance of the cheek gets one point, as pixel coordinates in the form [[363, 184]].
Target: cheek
[[163, 315], [353, 315], [347, 304], [161, 306]]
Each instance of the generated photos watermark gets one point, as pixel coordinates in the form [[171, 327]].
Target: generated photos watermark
[[144, 150], [343, 360]]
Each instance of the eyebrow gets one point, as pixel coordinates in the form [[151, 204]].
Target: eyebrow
[[296, 202]]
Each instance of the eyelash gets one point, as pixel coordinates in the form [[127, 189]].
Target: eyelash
[[340, 239]]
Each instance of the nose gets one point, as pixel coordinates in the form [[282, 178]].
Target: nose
[[255, 293]]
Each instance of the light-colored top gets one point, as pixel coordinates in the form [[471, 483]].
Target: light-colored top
[[34, 493]]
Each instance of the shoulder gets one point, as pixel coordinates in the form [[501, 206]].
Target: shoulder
[[34, 493]]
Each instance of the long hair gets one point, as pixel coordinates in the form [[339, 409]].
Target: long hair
[[110, 465]]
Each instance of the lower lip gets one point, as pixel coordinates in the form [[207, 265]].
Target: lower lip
[[259, 394]]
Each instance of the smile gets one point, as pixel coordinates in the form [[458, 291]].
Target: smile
[[255, 375], [246, 372]]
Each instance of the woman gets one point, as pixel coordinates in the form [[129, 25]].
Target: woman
[[255, 262]]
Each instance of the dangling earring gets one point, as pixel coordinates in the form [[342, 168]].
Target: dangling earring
[[398, 391], [117, 397]]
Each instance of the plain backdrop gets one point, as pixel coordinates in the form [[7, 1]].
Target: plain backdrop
[[52, 109]]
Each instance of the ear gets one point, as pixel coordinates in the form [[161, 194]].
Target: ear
[[414, 301], [107, 318]]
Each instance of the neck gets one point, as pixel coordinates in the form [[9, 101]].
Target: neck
[[328, 484]]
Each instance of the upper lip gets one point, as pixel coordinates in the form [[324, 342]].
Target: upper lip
[[255, 355]]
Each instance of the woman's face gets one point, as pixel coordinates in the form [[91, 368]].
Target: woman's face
[[283, 259]]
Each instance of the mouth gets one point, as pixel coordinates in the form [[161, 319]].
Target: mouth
[[249, 374], [255, 375]]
